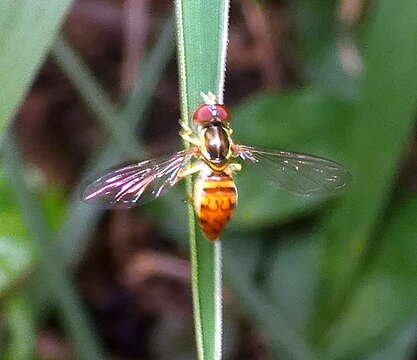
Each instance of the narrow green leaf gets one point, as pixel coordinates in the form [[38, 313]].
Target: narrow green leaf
[[16, 257], [202, 39], [95, 97], [81, 217], [20, 327], [381, 125], [27, 29], [16, 250], [52, 267]]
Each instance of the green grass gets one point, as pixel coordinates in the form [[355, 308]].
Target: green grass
[[52, 279], [381, 125], [21, 329], [28, 29], [336, 282], [52, 268], [202, 35]]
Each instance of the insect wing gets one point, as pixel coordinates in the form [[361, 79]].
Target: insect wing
[[138, 183], [295, 172]]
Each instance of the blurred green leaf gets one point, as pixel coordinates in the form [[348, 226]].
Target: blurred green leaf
[[386, 298], [293, 278], [16, 256], [21, 330], [82, 218], [96, 98], [11, 221], [27, 29], [53, 203], [401, 346], [238, 266], [247, 248], [16, 251], [318, 35], [316, 27], [304, 121], [383, 119], [53, 268]]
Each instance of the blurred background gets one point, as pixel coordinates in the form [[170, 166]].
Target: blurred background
[[334, 277]]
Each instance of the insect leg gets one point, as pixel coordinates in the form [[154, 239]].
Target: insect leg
[[234, 167], [186, 133], [190, 170]]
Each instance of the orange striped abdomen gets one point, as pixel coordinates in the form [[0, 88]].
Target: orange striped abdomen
[[215, 200]]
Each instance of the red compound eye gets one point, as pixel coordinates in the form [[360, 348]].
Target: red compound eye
[[207, 113]]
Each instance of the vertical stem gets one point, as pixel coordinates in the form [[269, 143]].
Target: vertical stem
[[202, 46]]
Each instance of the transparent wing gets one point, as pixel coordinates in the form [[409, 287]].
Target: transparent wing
[[137, 183], [298, 173]]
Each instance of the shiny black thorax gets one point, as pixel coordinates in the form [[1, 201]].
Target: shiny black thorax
[[216, 143]]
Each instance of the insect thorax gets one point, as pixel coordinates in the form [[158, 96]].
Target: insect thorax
[[216, 145]]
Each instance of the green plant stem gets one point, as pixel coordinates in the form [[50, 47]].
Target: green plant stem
[[202, 40]]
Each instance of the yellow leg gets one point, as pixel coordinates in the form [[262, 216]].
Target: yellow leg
[[190, 170], [231, 168], [187, 172], [186, 134], [234, 167]]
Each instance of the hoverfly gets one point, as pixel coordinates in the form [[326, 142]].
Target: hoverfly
[[211, 155]]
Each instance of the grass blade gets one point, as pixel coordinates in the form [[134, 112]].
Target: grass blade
[[20, 327], [95, 97], [27, 29], [202, 40], [81, 217], [52, 268]]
